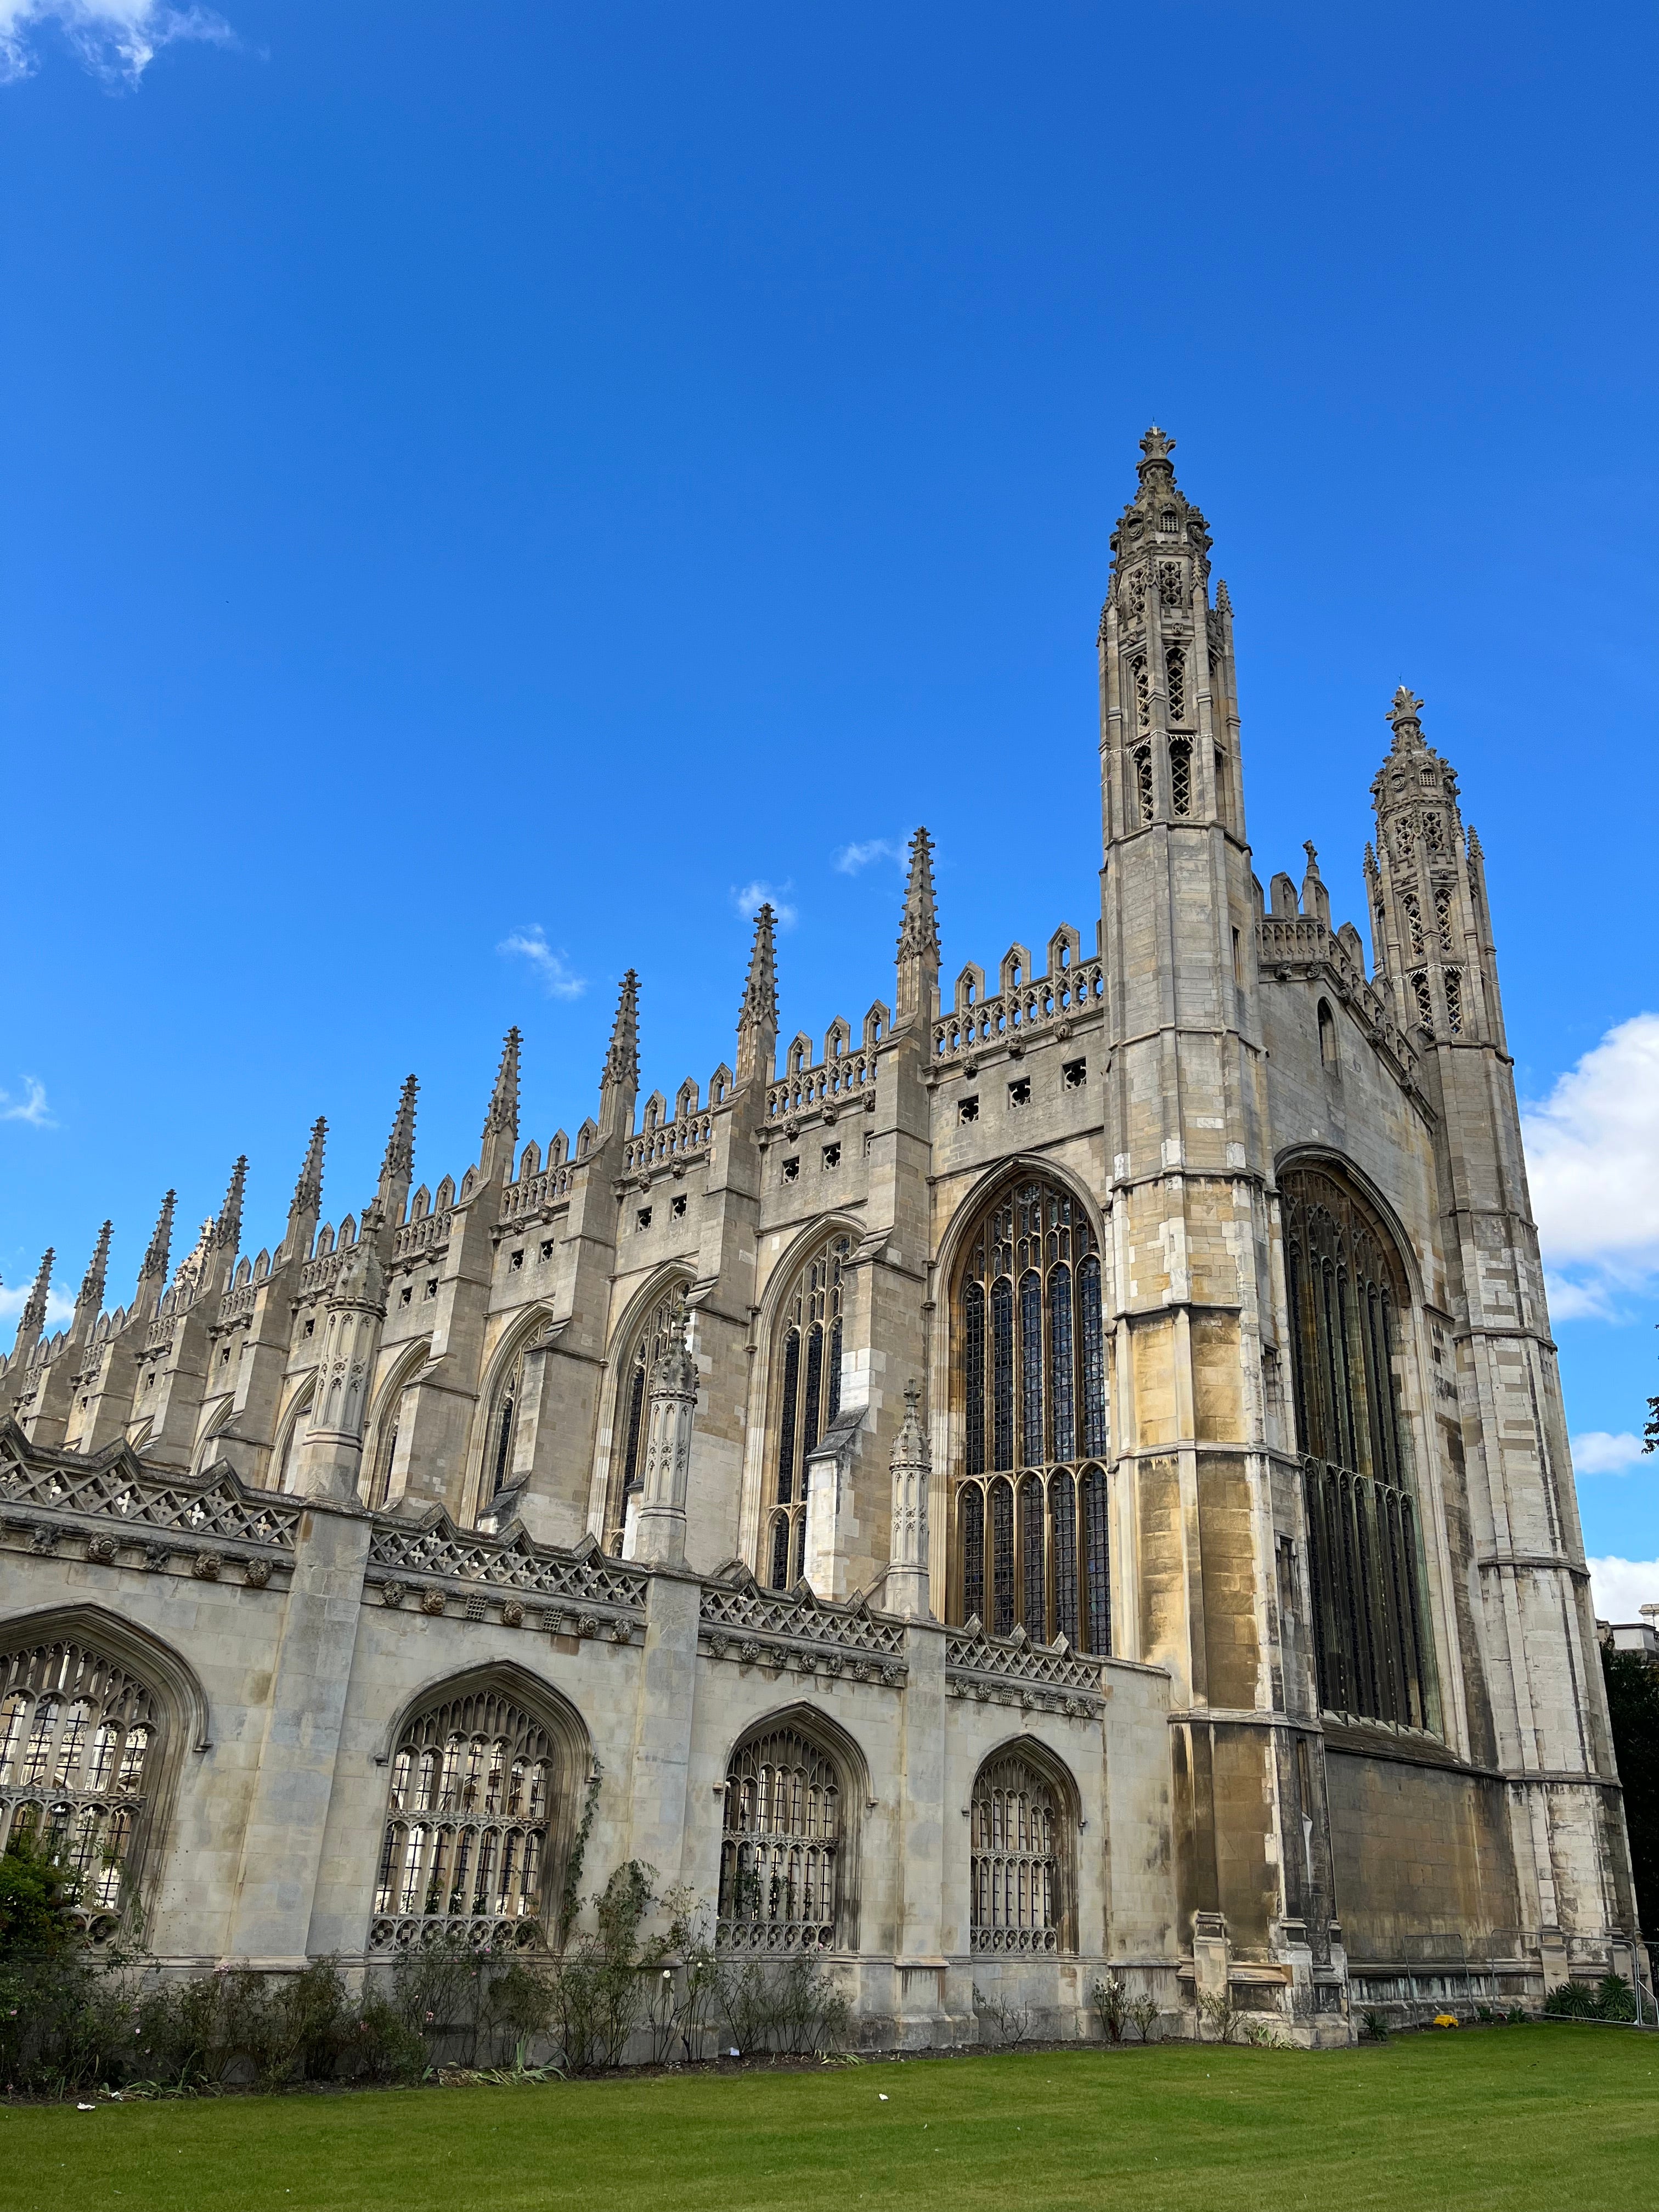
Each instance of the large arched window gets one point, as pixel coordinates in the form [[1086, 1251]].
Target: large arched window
[[657, 1333], [806, 1399], [781, 1871], [1347, 1291], [475, 1817], [1030, 1365], [383, 1448], [1020, 1865], [81, 1746]]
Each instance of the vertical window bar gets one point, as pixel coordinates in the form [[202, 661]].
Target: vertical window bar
[[1030, 1367], [1062, 1397], [973, 1553], [1096, 1565], [1035, 1596], [1062, 1515], [1002, 1372], [1002, 1558], [973, 1332], [786, 1417], [1094, 1356]]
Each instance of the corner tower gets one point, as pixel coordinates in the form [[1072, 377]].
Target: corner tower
[[1199, 1494]]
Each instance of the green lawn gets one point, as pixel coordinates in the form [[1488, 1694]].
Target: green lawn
[[1525, 2117]]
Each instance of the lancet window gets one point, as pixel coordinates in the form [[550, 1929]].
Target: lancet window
[[1175, 670], [807, 1399], [1453, 984], [80, 1743], [1180, 777], [465, 1850], [1346, 1297], [503, 1427], [1442, 916], [780, 1846], [657, 1333], [1019, 1863], [1032, 1525], [1144, 783]]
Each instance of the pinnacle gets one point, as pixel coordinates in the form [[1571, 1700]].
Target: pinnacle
[[1155, 448], [400, 1145], [308, 1190], [160, 1243], [760, 990], [92, 1283], [503, 1114], [1405, 716], [227, 1230], [621, 1058]]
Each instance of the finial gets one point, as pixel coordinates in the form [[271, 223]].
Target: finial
[[400, 1145], [1405, 717], [1313, 857], [227, 1230], [308, 1190], [1155, 447], [622, 1058], [161, 1244]]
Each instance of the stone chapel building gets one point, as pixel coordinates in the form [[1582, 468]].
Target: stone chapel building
[[1069, 1472]]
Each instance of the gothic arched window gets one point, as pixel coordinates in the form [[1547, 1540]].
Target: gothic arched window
[[808, 1367], [1347, 1291], [657, 1333], [81, 1746], [478, 1785], [780, 1846], [1020, 1867], [1029, 1360]]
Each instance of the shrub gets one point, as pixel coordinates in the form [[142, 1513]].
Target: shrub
[[1144, 2012], [1112, 2003], [36, 1898], [1008, 2022], [1374, 2027]]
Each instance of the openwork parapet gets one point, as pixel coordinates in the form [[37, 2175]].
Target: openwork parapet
[[1039, 1005], [442, 1551], [114, 1486], [1013, 1670], [793, 1628]]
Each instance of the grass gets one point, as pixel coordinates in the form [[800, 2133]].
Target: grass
[[1523, 2117]]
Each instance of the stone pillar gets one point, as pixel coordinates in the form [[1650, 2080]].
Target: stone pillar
[[658, 1532], [283, 1844], [905, 1590], [922, 2021], [331, 1458], [659, 1769]]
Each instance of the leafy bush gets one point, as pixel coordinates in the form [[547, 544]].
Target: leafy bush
[[1613, 1998], [1007, 2022], [1112, 2003], [36, 1896], [1374, 2027]]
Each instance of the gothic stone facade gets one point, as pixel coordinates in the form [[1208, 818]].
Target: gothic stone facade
[[1070, 1474]]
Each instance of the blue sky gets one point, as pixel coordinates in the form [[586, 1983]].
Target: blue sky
[[526, 476]]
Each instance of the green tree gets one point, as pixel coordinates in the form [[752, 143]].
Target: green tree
[[1634, 1704], [35, 1896]]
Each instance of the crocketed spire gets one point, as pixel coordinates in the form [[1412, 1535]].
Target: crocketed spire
[[89, 1304], [918, 940], [33, 1318], [228, 1229], [500, 1128], [757, 1016], [308, 1190], [155, 1263], [622, 1058]]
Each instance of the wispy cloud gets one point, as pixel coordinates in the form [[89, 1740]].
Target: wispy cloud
[[1593, 1167], [552, 968], [116, 40], [1596, 1452], [851, 858], [30, 1108], [1621, 1587], [58, 1307], [748, 898]]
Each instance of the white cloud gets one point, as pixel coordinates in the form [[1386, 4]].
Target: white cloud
[[1593, 1167], [851, 858], [31, 1108], [116, 40], [58, 1307], [748, 898], [1622, 1587], [551, 966], [1596, 1452]]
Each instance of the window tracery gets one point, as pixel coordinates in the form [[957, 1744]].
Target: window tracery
[[1346, 1293], [1453, 983], [1180, 777], [1175, 670], [1414, 926], [780, 1846], [1424, 1003], [1019, 1869], [1142, 690], [1030, 1522], [1443, 900], [1144, 783], [657, 1333], [808, 1399], [80, 1743], [465, 1850]]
